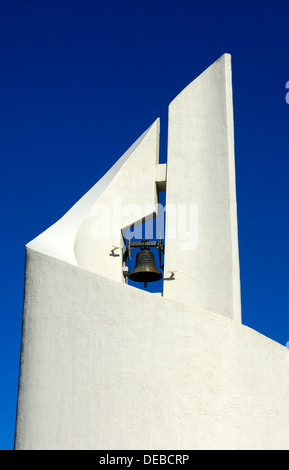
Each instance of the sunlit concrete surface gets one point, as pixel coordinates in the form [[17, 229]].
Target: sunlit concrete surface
[[107, 366]]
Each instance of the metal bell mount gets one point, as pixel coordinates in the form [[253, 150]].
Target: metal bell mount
[[145, 269]]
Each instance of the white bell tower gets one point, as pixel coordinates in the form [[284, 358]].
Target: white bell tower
[[107, 366]]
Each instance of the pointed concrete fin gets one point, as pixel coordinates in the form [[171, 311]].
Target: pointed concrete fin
[[59, 240], [129, 198], [201, 182]]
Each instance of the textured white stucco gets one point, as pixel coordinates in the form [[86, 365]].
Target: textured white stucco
[[132, 180], [129, 198], [107, 366], [201, 173]]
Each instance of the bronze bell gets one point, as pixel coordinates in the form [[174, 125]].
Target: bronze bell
[[145, 269]]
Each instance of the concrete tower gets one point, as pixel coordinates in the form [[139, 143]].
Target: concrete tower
[[107, 366]]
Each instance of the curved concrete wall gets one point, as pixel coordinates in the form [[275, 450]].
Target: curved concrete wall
[[107, 366], [129, 197], [75, 238]]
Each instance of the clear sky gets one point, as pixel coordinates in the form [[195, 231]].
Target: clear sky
[[81, 80]]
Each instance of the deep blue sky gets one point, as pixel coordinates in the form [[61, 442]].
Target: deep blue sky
[[80, 80]]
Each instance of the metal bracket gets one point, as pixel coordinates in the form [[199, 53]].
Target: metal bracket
[[144, 244]]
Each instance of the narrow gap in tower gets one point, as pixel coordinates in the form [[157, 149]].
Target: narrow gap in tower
[[154, 228], [164, 124]]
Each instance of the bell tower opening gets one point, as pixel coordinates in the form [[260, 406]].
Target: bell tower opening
[[144, 249], [146, 262]]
